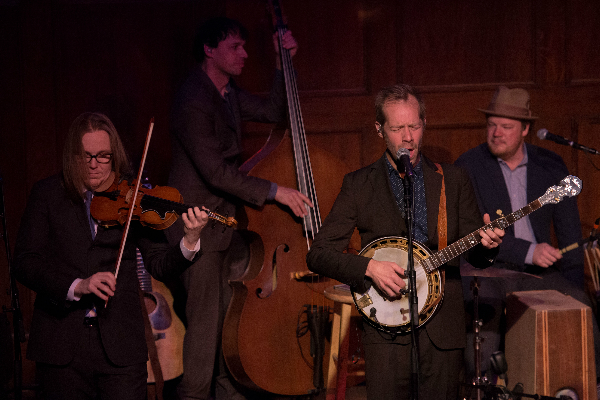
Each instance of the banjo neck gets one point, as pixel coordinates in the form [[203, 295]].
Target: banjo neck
[[459, 247], [569, 186]]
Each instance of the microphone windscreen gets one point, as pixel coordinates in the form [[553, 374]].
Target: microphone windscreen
[[541, 134], [402, 152]]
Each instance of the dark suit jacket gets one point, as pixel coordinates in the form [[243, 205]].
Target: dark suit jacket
[[54, 247], [366, 201], [544, 169], [206, 147]]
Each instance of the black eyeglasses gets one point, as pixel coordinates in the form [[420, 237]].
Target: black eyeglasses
[[101, 158]]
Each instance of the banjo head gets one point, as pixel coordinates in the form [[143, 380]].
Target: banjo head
[[392, 315]]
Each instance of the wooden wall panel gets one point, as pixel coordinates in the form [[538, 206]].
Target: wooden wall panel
[[126, 61], [331, 41], [465, 43], [446, 144], [588, 167], [583, 37]]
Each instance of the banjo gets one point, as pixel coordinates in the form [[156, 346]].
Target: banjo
[[392, 315]]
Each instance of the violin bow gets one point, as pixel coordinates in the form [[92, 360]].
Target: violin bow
[[133, 201]]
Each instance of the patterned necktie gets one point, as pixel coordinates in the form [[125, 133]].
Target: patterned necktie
[[88, 202]]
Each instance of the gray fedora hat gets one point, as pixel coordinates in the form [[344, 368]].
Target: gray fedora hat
[[510, 103]]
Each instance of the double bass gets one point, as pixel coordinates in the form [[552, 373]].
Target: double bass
[[278, 315]]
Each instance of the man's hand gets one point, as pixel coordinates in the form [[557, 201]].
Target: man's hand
[[387, 276], [102, 284], [288, 42], [194, 220], [492, 237], [545, 255], [295, 200]]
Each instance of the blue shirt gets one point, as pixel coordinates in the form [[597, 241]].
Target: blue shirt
[[516, 183], [420, 228]]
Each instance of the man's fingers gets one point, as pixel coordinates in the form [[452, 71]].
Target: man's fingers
[[106, 287], [103, 291]]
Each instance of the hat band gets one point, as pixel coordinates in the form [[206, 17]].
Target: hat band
[[501, 108]]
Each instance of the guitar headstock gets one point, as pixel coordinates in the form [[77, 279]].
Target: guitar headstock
[[570, 186]]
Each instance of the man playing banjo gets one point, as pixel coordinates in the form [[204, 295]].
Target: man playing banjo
[[371, 200]]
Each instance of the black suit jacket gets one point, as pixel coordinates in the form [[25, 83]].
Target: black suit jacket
[[206, 148], [54, 247], [544, 169], [366, 202]]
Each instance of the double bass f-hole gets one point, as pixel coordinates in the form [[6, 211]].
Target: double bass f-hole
[[270, 284]]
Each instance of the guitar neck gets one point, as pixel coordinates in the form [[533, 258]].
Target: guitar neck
[[144, 276], [471, 240]]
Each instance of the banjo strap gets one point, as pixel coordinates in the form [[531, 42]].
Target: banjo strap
[[442, 220]]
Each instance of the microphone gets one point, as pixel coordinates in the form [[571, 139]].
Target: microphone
[[543, 134], [403, 160]]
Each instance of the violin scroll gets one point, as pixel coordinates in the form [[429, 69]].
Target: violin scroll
[[228, 221]]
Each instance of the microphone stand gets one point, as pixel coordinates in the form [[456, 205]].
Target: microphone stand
[[409, 208], [18, 328]]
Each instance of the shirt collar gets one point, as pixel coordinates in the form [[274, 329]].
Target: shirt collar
[[523, 161], [227, 89]]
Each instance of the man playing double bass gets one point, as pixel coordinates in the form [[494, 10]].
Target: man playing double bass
[[371, 200], [85, 349], [206, 134]]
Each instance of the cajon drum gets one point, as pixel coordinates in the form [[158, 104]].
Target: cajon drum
[[549, 344]]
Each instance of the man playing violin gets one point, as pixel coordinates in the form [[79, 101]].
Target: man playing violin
[[371, 201], [87, 331], [206, 147]]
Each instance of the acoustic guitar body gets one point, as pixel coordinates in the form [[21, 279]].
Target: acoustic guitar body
[[168, 332], [167, 329]]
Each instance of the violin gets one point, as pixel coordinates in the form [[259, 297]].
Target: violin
[[157, 208]]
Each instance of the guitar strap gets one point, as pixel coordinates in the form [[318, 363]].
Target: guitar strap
[[442, 223], [442, 217], [154, 392]]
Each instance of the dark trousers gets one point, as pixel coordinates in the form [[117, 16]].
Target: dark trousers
[[208, 296], [90, 375], [389, 370]]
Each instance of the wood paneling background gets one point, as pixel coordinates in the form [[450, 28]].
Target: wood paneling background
[[127, 58]]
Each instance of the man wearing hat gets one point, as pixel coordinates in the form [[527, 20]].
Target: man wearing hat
[[507, 174]]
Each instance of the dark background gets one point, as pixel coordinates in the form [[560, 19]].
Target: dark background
[[127, 58]]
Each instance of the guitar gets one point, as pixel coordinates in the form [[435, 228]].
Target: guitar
[[392, 315], [167, 329]]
